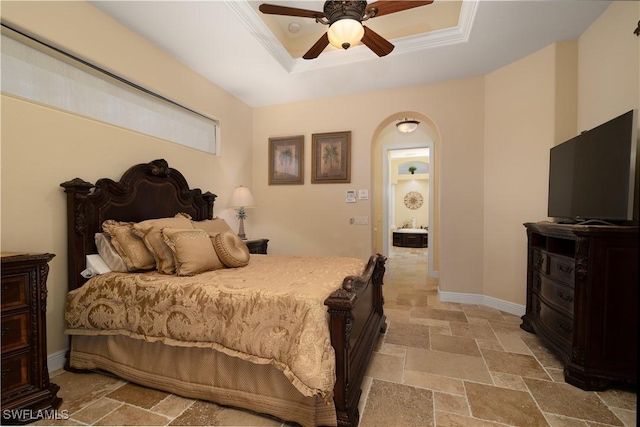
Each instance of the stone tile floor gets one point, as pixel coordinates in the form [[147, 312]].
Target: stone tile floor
[[439, 364]]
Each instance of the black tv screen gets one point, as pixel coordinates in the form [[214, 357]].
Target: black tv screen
[[594, 175]]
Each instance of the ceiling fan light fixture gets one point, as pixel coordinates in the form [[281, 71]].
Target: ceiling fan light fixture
[[407, 125], [345, 18], [345, 33]]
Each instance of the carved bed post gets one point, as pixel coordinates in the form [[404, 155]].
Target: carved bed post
[[340, 304], [354, 332], [378, 275], [78, 236], [210, 198]]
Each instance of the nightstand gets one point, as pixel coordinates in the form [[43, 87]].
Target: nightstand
[[257, 246], [25, 377]]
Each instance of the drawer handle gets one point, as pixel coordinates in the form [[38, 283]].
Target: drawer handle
[[563, 297], [566, 269], [565, 328], [539, 261], [5, 330], [5, 372]]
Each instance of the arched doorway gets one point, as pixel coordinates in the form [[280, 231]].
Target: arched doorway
[[386, 142]]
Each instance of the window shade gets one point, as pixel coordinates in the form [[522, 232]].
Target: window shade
[[69, 85]]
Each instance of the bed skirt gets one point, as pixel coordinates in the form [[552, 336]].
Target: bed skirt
[[201, 373]]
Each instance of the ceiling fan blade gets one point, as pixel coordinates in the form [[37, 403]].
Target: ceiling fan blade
[[386, 7], [272, 9], [318, 47], [378, 44]]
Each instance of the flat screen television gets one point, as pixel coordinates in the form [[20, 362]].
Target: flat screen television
[[594, 176]]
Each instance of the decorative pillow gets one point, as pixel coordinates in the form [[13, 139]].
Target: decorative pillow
[[151, 233], [233, 252], [193, 251], [109, 254], [130, 247], [212, 226]]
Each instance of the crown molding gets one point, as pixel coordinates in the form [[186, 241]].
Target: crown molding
[[262, 33], [260, 30]]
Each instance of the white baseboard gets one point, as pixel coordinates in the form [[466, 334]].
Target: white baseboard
[[498, 304], [55, 361]]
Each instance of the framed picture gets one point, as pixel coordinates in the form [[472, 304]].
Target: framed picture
[[286, 160], [331, 157]]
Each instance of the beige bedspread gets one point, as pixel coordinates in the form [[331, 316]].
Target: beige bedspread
[[269, 312]]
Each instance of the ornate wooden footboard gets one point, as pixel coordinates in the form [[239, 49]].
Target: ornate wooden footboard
[[356, 321], [154, 190]]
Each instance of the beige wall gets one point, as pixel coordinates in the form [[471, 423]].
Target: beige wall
[[402, 212], [534, 104], [313, 219], [609, 65], [520, 128], [42, 147]]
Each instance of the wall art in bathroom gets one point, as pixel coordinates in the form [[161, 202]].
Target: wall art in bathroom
[[413, 200]]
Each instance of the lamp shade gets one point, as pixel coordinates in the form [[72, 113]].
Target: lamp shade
[[406, 125], [345, 33], [241, 198]]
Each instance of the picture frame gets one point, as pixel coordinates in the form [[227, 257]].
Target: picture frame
[[331, 157], [286, 160]]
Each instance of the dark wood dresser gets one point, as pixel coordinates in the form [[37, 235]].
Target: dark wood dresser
[[25, 376], [582, 299]]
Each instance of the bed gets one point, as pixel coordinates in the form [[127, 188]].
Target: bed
[[187, 351]]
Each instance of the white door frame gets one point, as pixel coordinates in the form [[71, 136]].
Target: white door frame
[[387, 197]]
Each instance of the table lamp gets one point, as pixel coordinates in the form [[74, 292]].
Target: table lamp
[[241, 198]]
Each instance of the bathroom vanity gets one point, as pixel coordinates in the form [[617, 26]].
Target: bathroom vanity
[[411, 238]]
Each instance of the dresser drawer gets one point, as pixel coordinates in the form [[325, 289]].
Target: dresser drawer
[[25, 376], [561, 326], [557, 293], [540, 261], [14, 290], [15, 331], [15, 372], [562, 268]]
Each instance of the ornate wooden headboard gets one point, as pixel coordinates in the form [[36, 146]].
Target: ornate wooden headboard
[[145, 191]]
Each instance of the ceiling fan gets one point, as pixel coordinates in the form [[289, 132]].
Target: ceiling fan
[[344, 19]]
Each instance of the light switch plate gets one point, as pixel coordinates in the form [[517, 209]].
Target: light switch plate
[[360, 220]]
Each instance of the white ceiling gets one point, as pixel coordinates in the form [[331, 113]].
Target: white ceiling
[[227, 42]]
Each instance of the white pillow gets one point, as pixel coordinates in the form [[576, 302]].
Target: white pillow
[[108, 253]]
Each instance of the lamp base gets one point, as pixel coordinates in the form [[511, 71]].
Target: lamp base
[[241, 234]]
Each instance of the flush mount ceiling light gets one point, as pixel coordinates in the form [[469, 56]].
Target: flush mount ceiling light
[[407, 125]]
